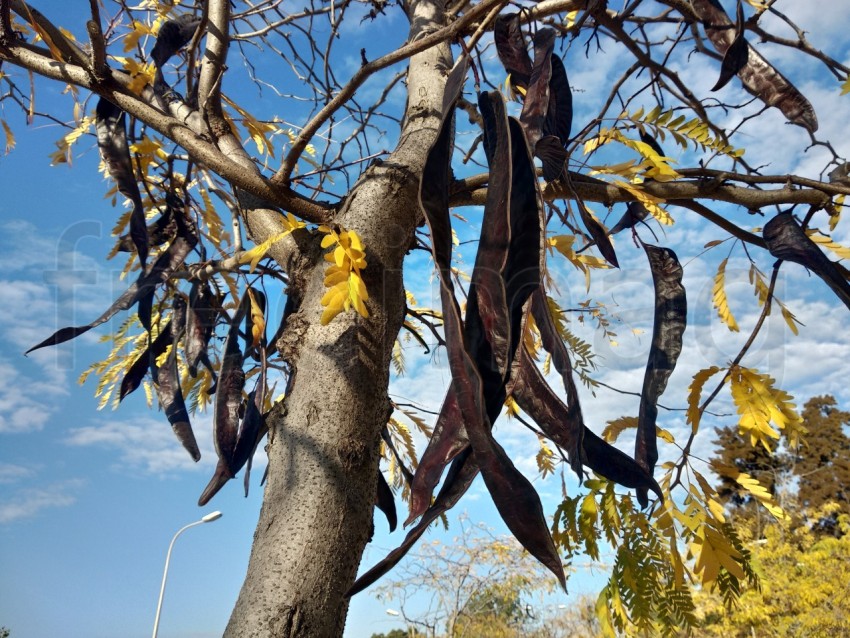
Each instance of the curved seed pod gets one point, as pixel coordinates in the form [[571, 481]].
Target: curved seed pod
[[133, 377], [554, 345], [460, 476], [220, 477], [671, 310], [514, 496], [159, 232], [559, 118], [167, 385], [386, 502], [166, 381], [785, 239], [617, 466], [447, 441], [535, 106], [173, 35], [201, 317], [635, 213], [757, 75], [111, 127], [253, 426], [603, 243], [142, 288], [228, 395], [506, 271], [512, 49], [553, 155], [555, 419], [449, 436]]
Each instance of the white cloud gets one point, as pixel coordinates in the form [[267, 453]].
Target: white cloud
[[11, 473], [29, 502], [147, 444]]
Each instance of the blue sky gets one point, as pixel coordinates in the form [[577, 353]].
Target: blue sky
[[90, 499]]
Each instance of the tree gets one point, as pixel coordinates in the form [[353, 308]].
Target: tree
[[823, 464], [820, 468], [800, 595], [202, 297], [479, 584], [771, 468], [398, 633]]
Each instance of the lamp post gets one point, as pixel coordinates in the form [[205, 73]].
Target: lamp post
[[209, 518]]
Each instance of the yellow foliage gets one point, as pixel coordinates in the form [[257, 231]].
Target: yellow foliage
[[346, 289], [616, 426], [650, 202], [583, 261], [713, 551], [803, 588], [654, 165], [259, 251], [63, 153], [545, 458], [759, 403], [10, 137], [843, 252], [140, 74], [258, 321], [147, 150], [694, 394], [719, 300]]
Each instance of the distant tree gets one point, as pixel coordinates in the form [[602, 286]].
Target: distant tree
[[399, 633], [770, 468], [4, 633], [812, 474], [823, 464], [481, 585], [577, 620]]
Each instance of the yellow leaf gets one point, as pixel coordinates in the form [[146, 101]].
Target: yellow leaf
[[664, 435], [603, 614], [258, 321], [141, 74], [615, 427], [649, 202], [719, 299], [545, 458], [760, 404], [139, 30], [694, 394], [335, 276], [842, 251], [255, 254], [714, 551], [753, 487], [845, 87], [10, 137], [790, 319]]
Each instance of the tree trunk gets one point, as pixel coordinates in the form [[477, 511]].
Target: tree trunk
[[324, 440]]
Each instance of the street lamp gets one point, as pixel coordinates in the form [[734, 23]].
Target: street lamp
[[209, 518]]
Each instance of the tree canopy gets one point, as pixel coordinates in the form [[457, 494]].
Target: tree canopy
[[231, 206]]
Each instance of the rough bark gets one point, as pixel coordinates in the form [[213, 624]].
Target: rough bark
[[323, 450]]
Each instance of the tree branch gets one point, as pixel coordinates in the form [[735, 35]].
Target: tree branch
[[470, 191], [418, 45], [115, 89], [212, 68]]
